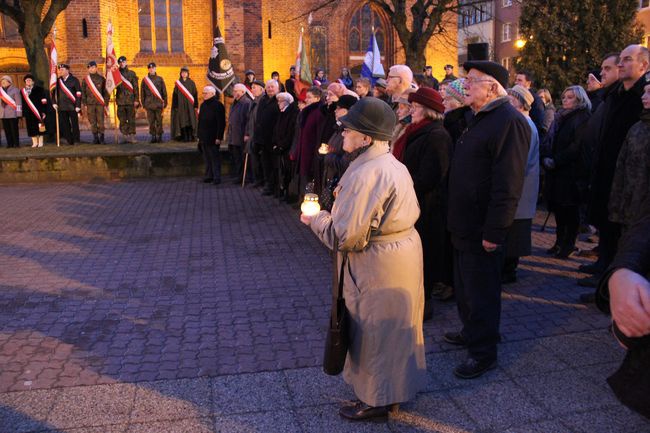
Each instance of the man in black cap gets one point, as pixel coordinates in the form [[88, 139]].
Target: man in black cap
[[95, 98], [429, 80], [68, 104], [485, 183], [153, 95], [127, 98]]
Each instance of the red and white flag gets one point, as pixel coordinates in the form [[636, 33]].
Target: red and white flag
[[113, 76], [53, 63]]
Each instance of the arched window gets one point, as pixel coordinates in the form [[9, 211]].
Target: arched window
[[360, 29], [161, 26], [8, 29]]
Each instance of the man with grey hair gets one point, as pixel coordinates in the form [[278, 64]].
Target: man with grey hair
[[282, 139], [237, 120], [267, 116], [210, 129], [486, 178], [257, 176], [399, 79]]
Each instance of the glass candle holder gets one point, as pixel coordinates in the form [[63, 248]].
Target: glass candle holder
[[310, 206], [323, 149]]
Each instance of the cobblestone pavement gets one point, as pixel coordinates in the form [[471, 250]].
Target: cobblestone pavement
[[176, 306]]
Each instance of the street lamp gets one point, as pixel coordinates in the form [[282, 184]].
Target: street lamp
[[520, 43]]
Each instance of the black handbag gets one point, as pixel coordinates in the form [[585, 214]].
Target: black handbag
[[338, 339]]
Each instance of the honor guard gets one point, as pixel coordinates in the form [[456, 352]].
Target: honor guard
[[185, 105], [95, 98], [68, 104], [153, 94], [126, 96]]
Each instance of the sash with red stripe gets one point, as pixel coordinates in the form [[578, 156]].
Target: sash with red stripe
[[94, 91], [7, 99], [67, 91], [153, 88], [30, 104], [184, 91], [127, 83]]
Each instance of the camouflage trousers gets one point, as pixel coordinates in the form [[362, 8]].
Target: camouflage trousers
[[126, 115], [96, 118]]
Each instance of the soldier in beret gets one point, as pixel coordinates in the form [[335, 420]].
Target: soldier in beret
[[127, 98], [95, 97], [153, 94], [68, 104]]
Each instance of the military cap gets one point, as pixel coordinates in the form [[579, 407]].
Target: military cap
[[151, 65], [91, 63], [259, 83], [121, 59], [64, 66]]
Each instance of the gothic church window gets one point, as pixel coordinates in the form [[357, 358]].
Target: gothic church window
[[360, 29], [161, 26]]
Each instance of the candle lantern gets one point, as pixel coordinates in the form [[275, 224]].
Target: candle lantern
[[310, 206], [323, 149]]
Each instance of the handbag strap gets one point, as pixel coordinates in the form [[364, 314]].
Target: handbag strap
[[337, 279]]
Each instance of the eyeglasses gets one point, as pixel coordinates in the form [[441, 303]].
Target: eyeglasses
[[393, 76]]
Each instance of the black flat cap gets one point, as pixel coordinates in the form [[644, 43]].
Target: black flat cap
[[372, 117], [493, 69], [249, 72], [91, 63], [185, 68]]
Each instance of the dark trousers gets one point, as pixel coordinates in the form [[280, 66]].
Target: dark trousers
[[270, 173], [212, 159], [256, 163], [283, 164], [126, 115], [69, 126], [477, 282], [236, 157], [155, 122], [609, 233], [11, 132], [567, 220]]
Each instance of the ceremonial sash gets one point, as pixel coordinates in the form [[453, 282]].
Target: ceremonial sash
[[67, 91], [184, 91], [7, 99], [153, 89], [30, 104], [127, 83], [94, 91]]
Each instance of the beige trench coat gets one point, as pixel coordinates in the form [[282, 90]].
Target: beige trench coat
[[373, 217]]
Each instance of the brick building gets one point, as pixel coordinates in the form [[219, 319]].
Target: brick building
[[260, 34]]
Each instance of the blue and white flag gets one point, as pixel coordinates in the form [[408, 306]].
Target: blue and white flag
[[372, 67]]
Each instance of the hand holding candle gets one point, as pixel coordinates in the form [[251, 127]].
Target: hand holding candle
[[310, 206]]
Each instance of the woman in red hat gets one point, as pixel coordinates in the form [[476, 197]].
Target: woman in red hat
[[425, 148]]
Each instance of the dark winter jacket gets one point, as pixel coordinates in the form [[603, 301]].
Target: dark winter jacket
[[267, 116], [456, 121], [237, 120], [486, 176], [123, 94], [149, 100], [212, 121], [622, 109], [284, 129], [631, 184], [36, 95], [596, 97], [63, 99], [308, 141], [561, 185], [537, 113]]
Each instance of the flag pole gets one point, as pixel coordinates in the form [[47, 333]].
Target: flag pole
[[115, 114], [56, 111]]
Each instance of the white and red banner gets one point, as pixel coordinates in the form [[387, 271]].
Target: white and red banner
[[53, 62], [67, 91], [93, 89], [185, 92], [153, 88], [127, 84], [7, 99], [30, 104], [113, 76]]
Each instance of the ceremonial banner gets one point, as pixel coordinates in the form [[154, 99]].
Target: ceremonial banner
[[372, 67], [53, 62], [220, 71], [113, 76], [303, 72]]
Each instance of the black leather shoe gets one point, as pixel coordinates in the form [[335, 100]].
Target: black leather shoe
[[362, 412], [591, 268], [207, 180], [455, 338], [553, 250], [473, 368]]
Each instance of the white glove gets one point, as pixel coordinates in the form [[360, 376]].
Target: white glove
[[77, 109], [56, 107]]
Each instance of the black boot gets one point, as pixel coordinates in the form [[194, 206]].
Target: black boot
[[101, 138], [95, 138], [154, 139], [160, 140]]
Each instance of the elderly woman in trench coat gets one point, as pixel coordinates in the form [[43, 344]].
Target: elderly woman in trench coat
[[373, 219]]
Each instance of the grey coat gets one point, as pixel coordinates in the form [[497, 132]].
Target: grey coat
[[373, 217], [237, 120], [250, 125], [6, 111], [528, 202]]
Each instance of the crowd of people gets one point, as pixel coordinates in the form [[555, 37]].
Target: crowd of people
[[428, 190]]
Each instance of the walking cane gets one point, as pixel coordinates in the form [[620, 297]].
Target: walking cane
[[56, 111], [243, 179], [548, 214]]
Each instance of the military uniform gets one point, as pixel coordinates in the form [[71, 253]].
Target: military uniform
[[127, 99], [94, 108], [154, 105], [69, 105]]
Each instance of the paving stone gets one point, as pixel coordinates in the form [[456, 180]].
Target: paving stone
[[432, 412], [310, 387], [92, 406], [613, 420], [194, 425], [250, 393], [540, 427], [25, 411], [326, 418], [283, 421], [171, 399]]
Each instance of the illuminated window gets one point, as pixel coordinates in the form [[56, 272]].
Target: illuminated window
[[8, 29], [161, 26], [360, 29]]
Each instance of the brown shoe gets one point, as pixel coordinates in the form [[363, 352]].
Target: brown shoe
[[362, 412]]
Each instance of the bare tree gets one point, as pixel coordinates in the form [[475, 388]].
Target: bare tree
[[34, 24]]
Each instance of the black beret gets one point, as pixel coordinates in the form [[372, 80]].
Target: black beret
[[91, 63], [249, 72], [151, 65], [493, 69], [121, 59], [346, 101]]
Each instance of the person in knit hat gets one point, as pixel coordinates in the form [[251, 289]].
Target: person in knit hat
[[457, 113], [371, 230], [425, 148], [454, 95]]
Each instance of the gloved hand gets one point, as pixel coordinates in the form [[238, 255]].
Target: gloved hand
[[56, 107], [77, 109]]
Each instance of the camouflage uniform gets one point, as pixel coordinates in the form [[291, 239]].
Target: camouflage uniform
[[94, 109], [125, 103], [154, 106]]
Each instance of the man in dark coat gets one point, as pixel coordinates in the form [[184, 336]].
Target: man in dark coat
[[485, 184], [625, 291], [525, 78], [282, 138], [290, 83], [68, 104], [127, 98], [210, 129], [153, 94], [237, 120], [621, 110], [257, 175], [95, 97], [267, 117]]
